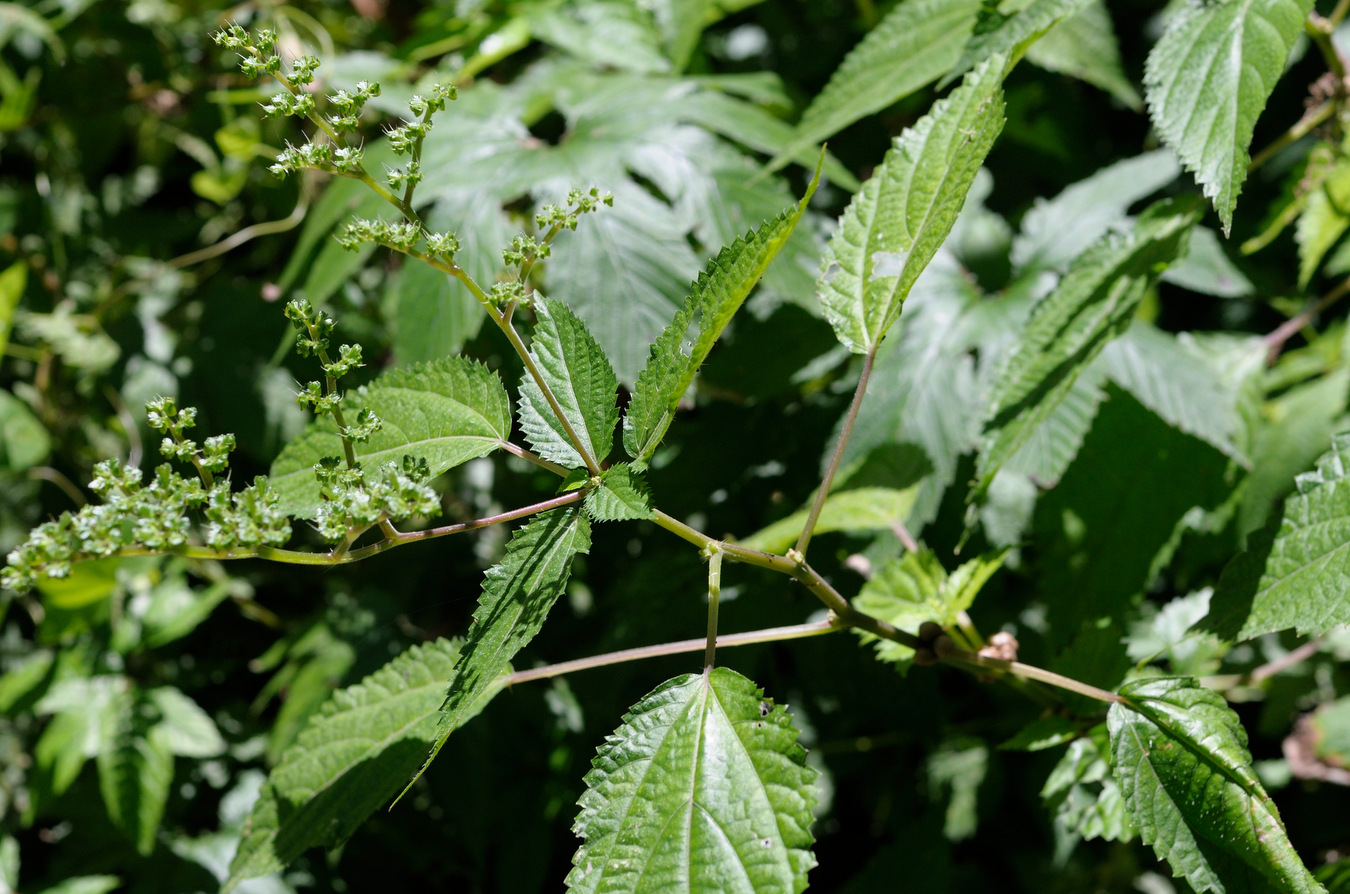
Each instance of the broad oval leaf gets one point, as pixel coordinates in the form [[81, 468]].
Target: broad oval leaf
[[1297, 574], [702, 789], [447, 412], [1179, 754], [899, 219], [1093, 304], [1208, 79], [716, 296], [581, 380], [517, 594], [354, 754], [915, 44]]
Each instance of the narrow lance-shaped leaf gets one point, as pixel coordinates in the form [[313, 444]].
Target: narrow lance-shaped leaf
[[1297, 574], [353, 756], [717, 295], [1010, 34], [1179, 754], [915, 44], [447, 412], [582, 381], [703, 788], [517, 595], [1207, 81], [1092, 305], [899, 219], [135, 767]]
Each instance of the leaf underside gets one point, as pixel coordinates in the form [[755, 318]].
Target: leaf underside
[[702, 789], [1208, 79], [447, 412], [1180, 757], [899, 219]]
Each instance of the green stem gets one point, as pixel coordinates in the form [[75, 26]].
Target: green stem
[[1026, 671], [714, 596], [837, 457], [770, 635], [1311, 120], [1320, 29]]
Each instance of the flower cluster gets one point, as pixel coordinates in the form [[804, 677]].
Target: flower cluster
[[357, 499], [398, 235], [579, 202], [164, 417]]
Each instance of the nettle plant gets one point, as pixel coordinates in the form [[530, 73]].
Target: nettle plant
[[703, 785]]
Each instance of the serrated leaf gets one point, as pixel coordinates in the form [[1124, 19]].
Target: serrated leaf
[[915, 44], [135, 767], [1180, 757], [899, 219], [1165, 374], [703, 788], [1207, 80], [517, 594], [1083, 45], [860, 509], [1298, 574], [1086, 801], [915, 588], [354, 754], [621, 496], [1092, 305], [582, 381], [1010, 33], [716, 296], [1054, 444], [447, 412]]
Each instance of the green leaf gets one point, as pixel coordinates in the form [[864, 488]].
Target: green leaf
[[612, 33], [1083, 45], [447, 412], [1092, 305], [999, 33], [85, 884], [517, 595], [621, 496], [915, 44], [354, 755], [959, 766], [1298, 574], [703, 788], [13, 280], [716, 296], [1207, 269], [135, 768], [183, 727], [1180, 757], [899, 219], [24, 441], [1054, 444], [582, 381], [915, 588], [1325, 217], [860, 509], [1085, 800], [1207, 80]]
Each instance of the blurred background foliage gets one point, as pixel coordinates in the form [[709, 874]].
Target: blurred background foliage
[[144, 249]]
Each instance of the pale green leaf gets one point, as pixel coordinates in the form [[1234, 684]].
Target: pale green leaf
[[447, 412], [1325, 217], [915, 44], [581, 380], [184, 728], [1083, 45], [13, 280], [1092, 305], [85, 884], [517, 595], [899, 219], [620, 496], [861, 509], [612, 33], [1010, 33], [1297, 574], [1179, 755], [135, 768], [24, 441], [1207, 269], [1086, 801], [1055, 231], [915, 588], [716, 296], [353, 756], [958, 766], [702, 789], [1207, 80], [1166, 374]]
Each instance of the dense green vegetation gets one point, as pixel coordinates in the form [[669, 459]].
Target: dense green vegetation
[[989, 463]]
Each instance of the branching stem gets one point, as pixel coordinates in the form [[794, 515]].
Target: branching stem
[[962, 658], [714, 596]]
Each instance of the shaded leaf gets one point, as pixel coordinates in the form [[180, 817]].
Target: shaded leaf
[[1083, 45], [582, 381], [1325, 217], [703, 788], [135, 767], [997, 32], [353, 756], [860, 509], [899, 219], [1207, 80], [915, 44], [1180, 757], [1086, 802], [447, 412]]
